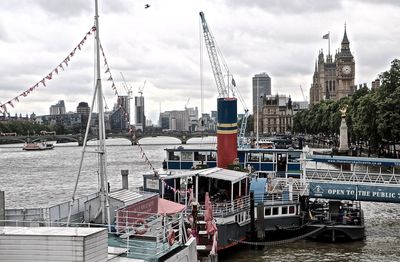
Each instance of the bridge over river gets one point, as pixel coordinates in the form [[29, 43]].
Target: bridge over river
[[79, 138], [351, 178]]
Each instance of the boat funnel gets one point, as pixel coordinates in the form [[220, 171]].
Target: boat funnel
[[226, 131]]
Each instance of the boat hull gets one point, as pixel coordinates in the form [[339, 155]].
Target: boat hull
[[337, 233]]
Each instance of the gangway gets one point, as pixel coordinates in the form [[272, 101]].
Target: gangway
[[346, 178], [353, 178]]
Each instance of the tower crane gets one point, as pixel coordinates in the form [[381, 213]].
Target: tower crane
[[141, 88], [212, 54], [187, 102], [302, 92], [128, 89], [223, 89]]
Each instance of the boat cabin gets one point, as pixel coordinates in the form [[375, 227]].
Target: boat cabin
[[275, 160], [224, 186]]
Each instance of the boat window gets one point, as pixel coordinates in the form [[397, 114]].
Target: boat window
[[267, 157], [275, 211], [267, 211], [212, 156], [293, 156], [187, 156], [291, 210], [254, 157], [284, 210], [173, 155], [200, 156]]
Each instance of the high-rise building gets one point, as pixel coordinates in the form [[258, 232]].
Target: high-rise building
[[83, 110], [262, 82], [58, 109], [180, 120], [119, 119], [261, 89], [164, 120], [376, 84], [140, 118], [333, 80]]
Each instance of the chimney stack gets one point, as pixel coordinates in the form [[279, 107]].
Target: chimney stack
[[124, 174]]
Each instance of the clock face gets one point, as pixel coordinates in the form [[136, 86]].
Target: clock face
[[346, 69]]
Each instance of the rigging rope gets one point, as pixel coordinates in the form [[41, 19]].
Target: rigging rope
[[110, 78], [55, 71], [125, 113]]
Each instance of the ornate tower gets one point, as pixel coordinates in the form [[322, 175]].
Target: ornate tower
[[345, 67]]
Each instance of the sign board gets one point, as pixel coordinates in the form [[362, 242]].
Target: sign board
[[152, 183], [356, 160], [345, 191]]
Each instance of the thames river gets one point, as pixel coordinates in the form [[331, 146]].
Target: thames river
[[45, 178]]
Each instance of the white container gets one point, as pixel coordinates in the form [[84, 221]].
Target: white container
[[53, 244]]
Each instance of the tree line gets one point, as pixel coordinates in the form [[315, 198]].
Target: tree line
[[24, 127], [373, 116]]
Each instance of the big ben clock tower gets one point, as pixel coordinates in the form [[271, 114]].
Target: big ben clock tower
[[345, 67]]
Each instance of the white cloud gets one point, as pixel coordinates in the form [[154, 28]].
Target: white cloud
[[161, 45]]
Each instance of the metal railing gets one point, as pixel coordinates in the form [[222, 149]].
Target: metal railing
[[225, 208], [147, 234], [277, 199], [353, 176], [49, 215], [151, 238]]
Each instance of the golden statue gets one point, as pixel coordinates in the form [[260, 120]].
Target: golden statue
[[343, 110]]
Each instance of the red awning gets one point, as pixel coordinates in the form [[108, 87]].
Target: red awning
[[166, 207]]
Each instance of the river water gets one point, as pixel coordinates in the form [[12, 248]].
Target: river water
[[44, 178]]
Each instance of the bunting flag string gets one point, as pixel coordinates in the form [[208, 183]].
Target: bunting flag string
[[113, 86], [179, 191], [3, 107], [108, 71]]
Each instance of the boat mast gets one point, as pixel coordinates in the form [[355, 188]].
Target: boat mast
[[101, 150], [102, 134]]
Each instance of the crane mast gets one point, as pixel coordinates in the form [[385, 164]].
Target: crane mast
[[212, 54], [223, 89]]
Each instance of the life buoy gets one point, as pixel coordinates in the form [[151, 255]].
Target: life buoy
[[171, 237], [140, 227]]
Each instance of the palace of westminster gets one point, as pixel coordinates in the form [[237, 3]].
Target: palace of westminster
[[333, 79]]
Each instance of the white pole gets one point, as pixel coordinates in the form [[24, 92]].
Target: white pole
[[197, 188], [329, 43], [102, 132]]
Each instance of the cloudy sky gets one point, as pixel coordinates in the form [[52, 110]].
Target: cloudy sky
[[161, 45]]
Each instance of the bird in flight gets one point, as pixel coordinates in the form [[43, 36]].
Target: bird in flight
[[146, 6]]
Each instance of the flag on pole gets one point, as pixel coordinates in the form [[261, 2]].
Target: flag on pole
[[325, 36]]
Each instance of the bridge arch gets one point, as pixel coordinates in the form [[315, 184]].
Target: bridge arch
[[145, 138]]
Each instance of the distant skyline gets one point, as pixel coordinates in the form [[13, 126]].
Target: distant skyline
[[161, 45]]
